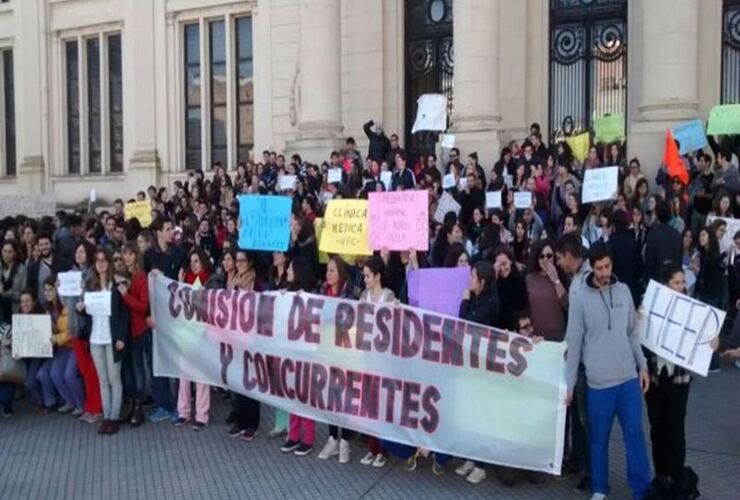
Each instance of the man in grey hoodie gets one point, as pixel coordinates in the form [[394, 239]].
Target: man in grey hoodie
[[601, 334]]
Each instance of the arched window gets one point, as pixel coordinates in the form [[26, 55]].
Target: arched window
[[588, 61], [730, 91]]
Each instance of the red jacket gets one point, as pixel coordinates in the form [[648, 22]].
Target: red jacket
[[137, 301]]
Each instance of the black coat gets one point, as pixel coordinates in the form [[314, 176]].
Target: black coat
[[513, 298], [663, 246], [482, 309], [627, 259], [119, 325], [379, 143]]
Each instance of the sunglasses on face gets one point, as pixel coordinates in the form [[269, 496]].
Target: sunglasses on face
[[525, 326], [547, 256]]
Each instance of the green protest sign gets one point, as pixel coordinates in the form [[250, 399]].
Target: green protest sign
[[608, 128], [724, 120]]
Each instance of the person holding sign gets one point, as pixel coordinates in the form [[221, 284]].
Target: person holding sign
[[198, 273], [302, 430], [61, 374], [602, 335], [336, 285], [666, 402], [108, 339], [28, 305]]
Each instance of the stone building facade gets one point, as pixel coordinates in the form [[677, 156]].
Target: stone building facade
[[121, 94]]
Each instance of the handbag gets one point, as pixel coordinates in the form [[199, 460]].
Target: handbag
[[11, 369]]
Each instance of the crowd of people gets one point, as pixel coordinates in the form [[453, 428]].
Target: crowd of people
[[559, 270]]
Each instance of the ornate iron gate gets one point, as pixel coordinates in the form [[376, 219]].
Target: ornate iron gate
[[429, 64], [588, 61], [731, 52]]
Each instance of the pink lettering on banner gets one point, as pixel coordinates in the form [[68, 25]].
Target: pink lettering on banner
[[398, 220]]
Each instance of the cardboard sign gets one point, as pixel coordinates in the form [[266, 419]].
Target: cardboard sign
[[265, 222], [690, 135], [522, 199], [399, 220], [287, 182], [447, 141], [425, 290], [724, 120], [32, 336], [579, 145], [346, 228], [70, 284], [678, 328], [97, 303], [609, 128], [140, 210], [600, 184], [334, 176], [493, 199], [431, 113], [386, 177], [445, 205], [448, 181]]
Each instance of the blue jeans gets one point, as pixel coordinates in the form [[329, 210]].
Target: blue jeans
[[161, 386], [134, 369], [7, 396], [625, 402]]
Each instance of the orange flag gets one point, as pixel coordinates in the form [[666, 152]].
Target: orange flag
[[672, 160]]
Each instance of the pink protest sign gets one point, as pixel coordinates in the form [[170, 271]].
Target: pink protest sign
[[399, 220]]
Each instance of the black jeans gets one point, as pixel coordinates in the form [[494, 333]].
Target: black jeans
[[247, 412], [335, 431], [666, 404], [134, 371]]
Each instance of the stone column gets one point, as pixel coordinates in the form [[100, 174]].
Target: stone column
[[320, 87], [139, 103], [30, 87], [476, 116], [670, 84], [669, 76]]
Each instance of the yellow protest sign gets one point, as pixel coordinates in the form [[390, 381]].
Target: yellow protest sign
[[318, 227], [346, 228], [140, 210], [580, 145], [609, 128]]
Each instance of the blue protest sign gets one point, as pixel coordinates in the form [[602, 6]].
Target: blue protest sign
[[265, 222], [690, 136]]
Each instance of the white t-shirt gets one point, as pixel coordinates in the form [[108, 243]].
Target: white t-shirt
[[100, 334]]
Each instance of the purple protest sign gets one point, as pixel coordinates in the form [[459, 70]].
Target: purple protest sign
[[438, 289], [399, 220]]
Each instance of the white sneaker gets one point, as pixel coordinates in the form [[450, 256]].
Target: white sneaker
[[379, 461], [476, 475], [465, 468], [367, 459], [598, 496], [343, 451], [330, 449]]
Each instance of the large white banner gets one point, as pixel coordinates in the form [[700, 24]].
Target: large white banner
[[678, 328], [30, 205], [391, 371]]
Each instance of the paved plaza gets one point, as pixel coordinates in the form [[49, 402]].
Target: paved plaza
[[56, 457]]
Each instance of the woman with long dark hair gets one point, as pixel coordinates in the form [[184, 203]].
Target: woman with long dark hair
[[336, 285], [548, 296], [667, 400], [512, 289], [108, 340], [134, 290], [302, 430], [60, 374], [709, 280], [197, 275], [12, 280]]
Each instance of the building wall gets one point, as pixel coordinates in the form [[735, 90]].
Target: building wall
[[371, 58]]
